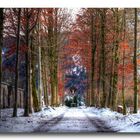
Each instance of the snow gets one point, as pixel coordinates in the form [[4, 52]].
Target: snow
[[73, 121], [27, 124], [80, 119], [117, 121]]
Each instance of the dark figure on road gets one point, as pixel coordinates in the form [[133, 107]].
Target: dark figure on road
[[71, 99]]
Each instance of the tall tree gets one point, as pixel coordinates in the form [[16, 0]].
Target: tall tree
[[94, 46], [27, 61], [103, 62], [116, 60], [39, 67], [135, 64], [17, 61], [123, 73], [30, 20], [51, 53], [1, 45], [112, 62]]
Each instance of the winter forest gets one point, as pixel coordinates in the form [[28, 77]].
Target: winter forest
[[69, 70]]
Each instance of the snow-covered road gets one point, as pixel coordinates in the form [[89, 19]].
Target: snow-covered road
[[74, 120], [69, 120]]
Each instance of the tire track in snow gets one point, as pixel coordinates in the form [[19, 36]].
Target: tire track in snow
[[74, 120], [100, 124], [46, 126]]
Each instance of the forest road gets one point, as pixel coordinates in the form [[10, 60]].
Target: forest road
[[74, 120]]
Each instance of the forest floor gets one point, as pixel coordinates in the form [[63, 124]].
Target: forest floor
[[69, 120]]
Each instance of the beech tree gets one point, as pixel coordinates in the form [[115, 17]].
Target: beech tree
[[135, 64], [93, 45], [1, 45], [17, 59], [103, 62], [28, 27], [116, 60], [123, 75]]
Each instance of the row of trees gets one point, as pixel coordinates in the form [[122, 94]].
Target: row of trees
[[39, 35], [105, 39], [112, 35]]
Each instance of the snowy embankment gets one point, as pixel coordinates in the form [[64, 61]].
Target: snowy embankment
[[27, 124], [117, 121]]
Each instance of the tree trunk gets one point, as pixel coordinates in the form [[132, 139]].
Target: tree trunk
[[34, 90], [116, 61], [123, 74], [123, 84], [39, 76], [46, 100], [44, 76], [135, 64], [50, 53], [16, 68], [53, 56], [93, 45], [99, 76], [27, 61], [103, 63], [111, 79], [1, 45], [56, 53]]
